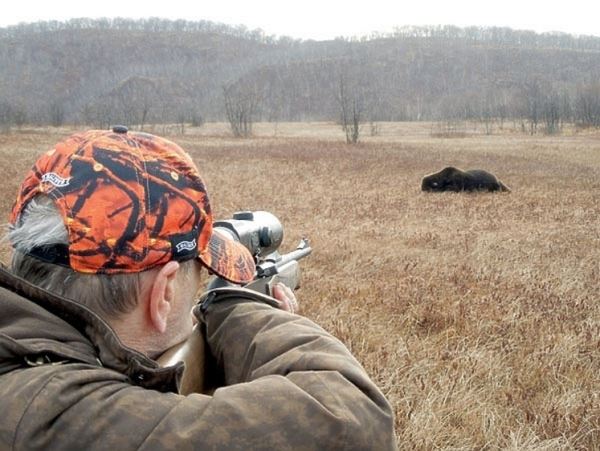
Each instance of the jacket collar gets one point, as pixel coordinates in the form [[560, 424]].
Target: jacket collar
[[94, 343]]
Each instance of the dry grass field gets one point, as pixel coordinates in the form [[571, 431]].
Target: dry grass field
[[477, 314]]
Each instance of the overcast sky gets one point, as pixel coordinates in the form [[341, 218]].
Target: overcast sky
[[323, 19]]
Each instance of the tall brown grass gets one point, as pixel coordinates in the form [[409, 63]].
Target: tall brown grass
[[477, 314]]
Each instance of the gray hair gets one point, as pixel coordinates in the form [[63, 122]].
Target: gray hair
[[40, 224]]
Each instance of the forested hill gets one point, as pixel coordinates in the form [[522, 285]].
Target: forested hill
[[118, 70]]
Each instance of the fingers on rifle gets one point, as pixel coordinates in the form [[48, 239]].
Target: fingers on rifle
[[291, 298], [288, 301]]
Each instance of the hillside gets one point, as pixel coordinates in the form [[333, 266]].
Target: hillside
[[106, 71]]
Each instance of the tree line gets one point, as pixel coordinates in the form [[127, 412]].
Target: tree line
[[103, 71]]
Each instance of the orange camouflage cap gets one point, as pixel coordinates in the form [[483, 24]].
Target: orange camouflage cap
[[130, 201]]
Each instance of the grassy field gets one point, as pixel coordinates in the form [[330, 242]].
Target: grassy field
[[477, 314]]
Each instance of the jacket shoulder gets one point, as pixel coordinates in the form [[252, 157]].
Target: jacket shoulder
[[77, 406]]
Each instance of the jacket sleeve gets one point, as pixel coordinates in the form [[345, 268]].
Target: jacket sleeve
[[290, 385]]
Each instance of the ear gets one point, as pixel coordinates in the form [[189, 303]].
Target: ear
[[162, 295]]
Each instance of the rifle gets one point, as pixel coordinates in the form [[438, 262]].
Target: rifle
[[262, 234]]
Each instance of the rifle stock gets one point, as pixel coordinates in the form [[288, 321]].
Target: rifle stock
[[192, 353]]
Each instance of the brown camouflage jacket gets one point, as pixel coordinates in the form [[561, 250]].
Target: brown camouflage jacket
[[66, 382]]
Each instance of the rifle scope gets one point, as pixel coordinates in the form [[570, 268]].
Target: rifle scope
[[260, 231]]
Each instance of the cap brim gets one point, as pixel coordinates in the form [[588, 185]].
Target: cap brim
[[228, 259]]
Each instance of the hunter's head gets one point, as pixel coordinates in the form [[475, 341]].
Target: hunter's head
[[121, 222]]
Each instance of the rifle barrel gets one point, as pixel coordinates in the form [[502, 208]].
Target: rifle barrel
[[294, 255]]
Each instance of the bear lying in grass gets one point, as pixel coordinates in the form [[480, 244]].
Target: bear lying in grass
[[453, 179]]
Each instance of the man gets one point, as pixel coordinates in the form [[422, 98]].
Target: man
[[112, 231]]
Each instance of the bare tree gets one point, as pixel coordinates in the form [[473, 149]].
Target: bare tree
[[196, 118], [487, 113], [132, 100], [181, 120], [56, 112], [11, 115], [6, 120], [502, 110], [351, 109], [566, 108], [241, 105], [587, 106], [98, 114], [533, 101], [551, 113]]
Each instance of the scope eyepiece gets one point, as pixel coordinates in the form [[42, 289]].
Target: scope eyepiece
[[260, 231]]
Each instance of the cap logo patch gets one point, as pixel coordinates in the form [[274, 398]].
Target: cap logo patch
[[186, 246], [55, 179]]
